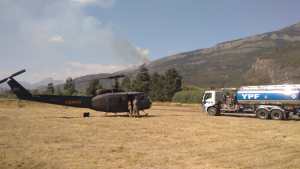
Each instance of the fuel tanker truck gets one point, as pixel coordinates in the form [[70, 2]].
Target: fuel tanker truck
[[277, 102]]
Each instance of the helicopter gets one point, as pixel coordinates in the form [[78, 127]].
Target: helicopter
[[108, 100]]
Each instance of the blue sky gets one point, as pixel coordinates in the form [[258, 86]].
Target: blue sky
[[170, 26], [61, 38]]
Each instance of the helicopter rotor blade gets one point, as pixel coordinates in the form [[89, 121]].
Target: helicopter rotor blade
[[3, 80], [17, 73], [113, 77], [13, 75]]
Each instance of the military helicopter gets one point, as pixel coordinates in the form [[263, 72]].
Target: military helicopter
[[108, 100]]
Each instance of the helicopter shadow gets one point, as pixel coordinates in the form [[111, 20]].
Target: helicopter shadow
[[101, 116], [70, 117]]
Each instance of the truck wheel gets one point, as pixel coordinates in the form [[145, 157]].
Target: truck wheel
[[262, 114], [212, 111], [277, 114]]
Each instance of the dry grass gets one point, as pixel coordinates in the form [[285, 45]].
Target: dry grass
[[174, 137]]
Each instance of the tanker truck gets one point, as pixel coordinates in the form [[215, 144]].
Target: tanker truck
[[277, 102]]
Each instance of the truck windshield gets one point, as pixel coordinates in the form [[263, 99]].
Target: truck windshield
[[207, 96]]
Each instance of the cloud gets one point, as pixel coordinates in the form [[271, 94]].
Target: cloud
[[56, 39], [101, 3], [42, 36], [84, 1]]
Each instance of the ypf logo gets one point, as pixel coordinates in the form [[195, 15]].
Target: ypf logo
[[250, 96]]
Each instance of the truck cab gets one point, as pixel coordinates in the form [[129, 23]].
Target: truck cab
[[212, 101], [216, 101], [208, 99]]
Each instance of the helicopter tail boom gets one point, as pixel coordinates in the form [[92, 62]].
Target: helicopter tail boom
[[18, 89], [24, 94]]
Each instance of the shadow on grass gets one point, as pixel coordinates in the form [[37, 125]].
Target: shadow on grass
[[238, 115], [150, 115], [182, 110], [127, 116], [70, 117], [101, 116], [254, 116]]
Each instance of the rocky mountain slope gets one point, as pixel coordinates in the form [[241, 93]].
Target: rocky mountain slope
[[272, 57], [268, 58]]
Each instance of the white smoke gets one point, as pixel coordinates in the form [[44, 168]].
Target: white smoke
[[45, 36]]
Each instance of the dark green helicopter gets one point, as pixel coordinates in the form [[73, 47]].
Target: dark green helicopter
[[109, 100]]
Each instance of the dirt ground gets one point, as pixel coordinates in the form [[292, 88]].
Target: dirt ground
[[38, 136]]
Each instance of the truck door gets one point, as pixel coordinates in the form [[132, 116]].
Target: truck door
[[208, 100]]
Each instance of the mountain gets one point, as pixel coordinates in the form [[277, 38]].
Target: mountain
[[268, 58], [43, 83]]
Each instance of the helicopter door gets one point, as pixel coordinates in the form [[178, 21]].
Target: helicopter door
[[118, 103]]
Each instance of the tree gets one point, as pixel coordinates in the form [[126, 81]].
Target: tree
[[126, 84], [94, 85], [189, 94], [50, 89], [35, 92], [163, 87], [173, 82], [58, 91], [69, 87], [142, 81], [157, 87]]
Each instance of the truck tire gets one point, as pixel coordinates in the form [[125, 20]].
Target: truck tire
[[262, 114], [212, 111], [278, 114]]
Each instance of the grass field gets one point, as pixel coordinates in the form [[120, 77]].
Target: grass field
[[38, 136]]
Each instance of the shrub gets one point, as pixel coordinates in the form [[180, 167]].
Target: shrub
[[189, 95]]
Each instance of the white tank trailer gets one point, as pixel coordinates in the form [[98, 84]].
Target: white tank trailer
[[278, 102]]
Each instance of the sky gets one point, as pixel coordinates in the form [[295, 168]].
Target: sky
[[71, 38]]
